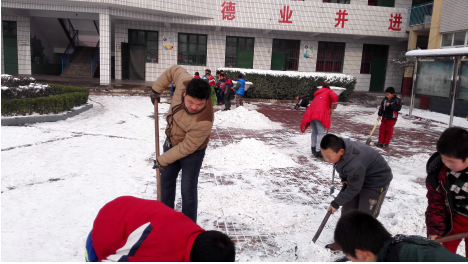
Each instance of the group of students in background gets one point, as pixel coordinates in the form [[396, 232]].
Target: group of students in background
[[223, 89]]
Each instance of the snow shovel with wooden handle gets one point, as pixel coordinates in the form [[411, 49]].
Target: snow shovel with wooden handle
[[452, 237], [325, 219], [156, 135], [369, 139]]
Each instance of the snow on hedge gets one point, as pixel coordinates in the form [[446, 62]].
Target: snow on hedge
[[329, 76]]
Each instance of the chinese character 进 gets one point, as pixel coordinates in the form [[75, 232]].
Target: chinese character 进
[[395, 22], [341, 18], [285, 15], [229, 10]]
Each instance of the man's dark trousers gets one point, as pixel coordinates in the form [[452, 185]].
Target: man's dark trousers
[[190, 166], [369, 200]]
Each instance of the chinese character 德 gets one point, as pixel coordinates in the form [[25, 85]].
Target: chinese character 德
[[229, 10], [285, 15], [341, 18], [395, 22]]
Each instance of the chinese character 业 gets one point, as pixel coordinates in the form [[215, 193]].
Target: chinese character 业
[[341, 18], [395, 22], [285, 15], [229, 10]]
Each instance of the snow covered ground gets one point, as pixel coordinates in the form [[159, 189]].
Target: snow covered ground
[[258, 182]]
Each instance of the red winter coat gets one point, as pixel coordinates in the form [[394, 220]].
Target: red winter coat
[[139, 230], [439, 212], [319, 109]]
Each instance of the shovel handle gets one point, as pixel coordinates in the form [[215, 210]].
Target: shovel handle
[[325, 219], [452, 237], [156, 135], [374, 128]]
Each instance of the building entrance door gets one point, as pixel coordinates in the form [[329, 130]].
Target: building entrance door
[[374, 62], [137, 61], [125, 60], [10, 47]]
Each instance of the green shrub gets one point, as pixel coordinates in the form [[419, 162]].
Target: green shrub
[[267, 86], [62, 98]]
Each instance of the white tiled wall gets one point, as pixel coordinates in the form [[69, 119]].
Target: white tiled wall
[[216, 49], [105, 48]]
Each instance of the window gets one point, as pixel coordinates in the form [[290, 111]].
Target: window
[[147, 38], [370, 52], [336, 1], [285, 54], [192, 49], [239, 52], [388, 3], [330, 57], [9, 28], [455, 39]]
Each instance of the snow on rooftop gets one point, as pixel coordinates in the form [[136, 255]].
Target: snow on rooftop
[[329, 76], [438, 52]]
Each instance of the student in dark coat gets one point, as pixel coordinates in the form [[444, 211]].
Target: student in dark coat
[[388, 112], [303, 101], [364, 239], [363, 169], [228, 94]]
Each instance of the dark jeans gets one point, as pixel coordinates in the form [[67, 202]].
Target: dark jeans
[[190, 166], [221, 95], [218, 99], [227, 101]]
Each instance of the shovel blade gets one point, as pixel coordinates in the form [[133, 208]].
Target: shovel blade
[[332, 189], [368, 141]]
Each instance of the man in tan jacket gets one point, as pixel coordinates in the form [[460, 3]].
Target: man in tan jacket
[[189, 122]]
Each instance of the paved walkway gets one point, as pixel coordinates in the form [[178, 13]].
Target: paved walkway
[[293, 185]]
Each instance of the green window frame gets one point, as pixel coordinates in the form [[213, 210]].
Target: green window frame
[[290, 49], [239, 52], [149, 39], [330, 56], [192, 49]]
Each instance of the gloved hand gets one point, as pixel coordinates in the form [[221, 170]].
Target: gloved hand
[[154, 95], [157, 165]]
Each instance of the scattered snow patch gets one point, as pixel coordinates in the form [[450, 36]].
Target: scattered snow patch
[[243, 118], [249, 153], [372, 119]]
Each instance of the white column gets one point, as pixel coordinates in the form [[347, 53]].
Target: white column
[[24, 52], [104, 47]]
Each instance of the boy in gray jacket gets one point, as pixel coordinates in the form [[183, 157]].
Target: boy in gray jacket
[[363, 169]]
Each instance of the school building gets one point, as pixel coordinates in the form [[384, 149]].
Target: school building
[[139, 39]]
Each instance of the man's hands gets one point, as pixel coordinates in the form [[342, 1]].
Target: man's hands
[[378, 118], [157, 165], [154, 95], [332, 209], [433, 237], [332, 110]]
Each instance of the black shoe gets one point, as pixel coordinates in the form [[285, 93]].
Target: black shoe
[[384, 145], [314, 152], [333, 247], [378, 144], [319, 155]]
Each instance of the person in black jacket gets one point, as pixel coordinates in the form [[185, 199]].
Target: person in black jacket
[[303, 101], [388, 112], [364, 239]]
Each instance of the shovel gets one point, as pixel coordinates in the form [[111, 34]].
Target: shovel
[[369, 139], [452, 237], [325, 220], [156, 134]]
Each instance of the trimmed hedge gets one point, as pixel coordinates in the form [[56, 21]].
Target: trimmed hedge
[[62, 98], [286, 87]]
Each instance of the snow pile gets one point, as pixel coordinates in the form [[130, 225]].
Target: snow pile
[[249, 153], [311, 252], [250, 106], [241, 117], [329, 76], [372, 119]]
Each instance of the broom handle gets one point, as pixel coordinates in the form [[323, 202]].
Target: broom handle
[[452, 237], [374, 128], [156, 134]]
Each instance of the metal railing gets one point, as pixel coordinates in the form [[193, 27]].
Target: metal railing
[[420, 15], [95, 59], [67, 55]]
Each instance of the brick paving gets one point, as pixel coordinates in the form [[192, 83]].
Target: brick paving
[[301, 185]]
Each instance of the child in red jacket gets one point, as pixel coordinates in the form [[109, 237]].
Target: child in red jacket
[[388, 111], [318, 114], [447, 188], [131, 229]]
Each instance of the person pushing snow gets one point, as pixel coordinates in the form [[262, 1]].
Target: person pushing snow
[[130, 229], [363, 169]]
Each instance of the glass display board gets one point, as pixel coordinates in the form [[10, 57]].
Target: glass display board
[[434, 78]]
